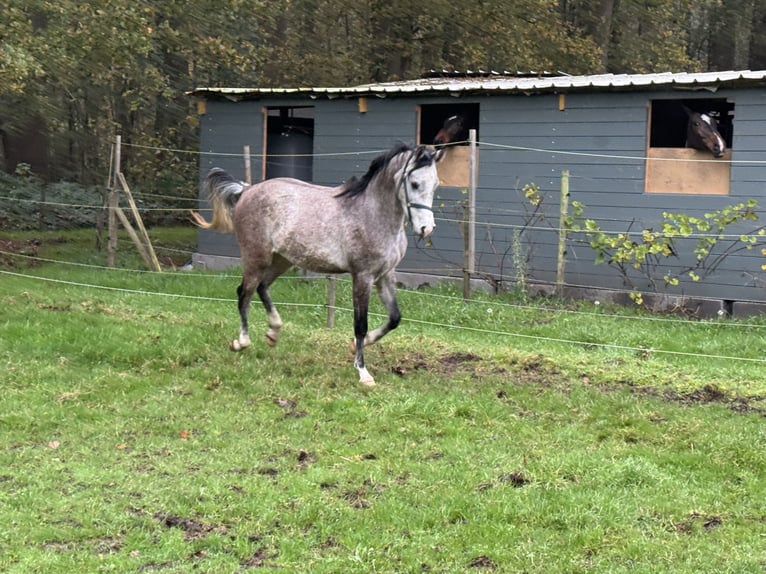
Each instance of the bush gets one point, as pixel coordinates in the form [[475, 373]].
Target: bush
[[66, 205]]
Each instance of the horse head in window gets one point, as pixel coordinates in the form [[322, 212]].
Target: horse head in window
[[452, 128], [702, 133]]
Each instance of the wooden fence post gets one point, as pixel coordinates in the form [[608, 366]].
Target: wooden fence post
[[469, 234], [562, 246], [112, 205], [248, 169], [140, 238]]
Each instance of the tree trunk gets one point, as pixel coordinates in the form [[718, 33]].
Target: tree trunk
[[602, 30], [757, 56]]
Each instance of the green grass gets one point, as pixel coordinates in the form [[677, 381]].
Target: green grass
[[132, 440]]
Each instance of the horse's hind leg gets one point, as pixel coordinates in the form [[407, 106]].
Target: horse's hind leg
[[278, 266], [244, 296], [275, 321], [259, 281]]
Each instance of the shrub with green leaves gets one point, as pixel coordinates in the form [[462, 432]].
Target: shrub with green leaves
[[646, 251]]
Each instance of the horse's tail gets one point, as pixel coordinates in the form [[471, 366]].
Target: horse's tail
[[222, 191]]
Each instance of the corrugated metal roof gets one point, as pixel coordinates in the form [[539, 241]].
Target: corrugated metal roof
[[501, 83]]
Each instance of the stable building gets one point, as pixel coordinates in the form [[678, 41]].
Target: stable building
[[620, 138]]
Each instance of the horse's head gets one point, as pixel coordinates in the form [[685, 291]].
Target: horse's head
[[702, 133], [419, 181], [451, 129]]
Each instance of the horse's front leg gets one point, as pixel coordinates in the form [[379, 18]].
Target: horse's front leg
[[362, 288], [387, 292]]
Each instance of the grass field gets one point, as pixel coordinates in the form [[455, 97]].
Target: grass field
[[503, 436]]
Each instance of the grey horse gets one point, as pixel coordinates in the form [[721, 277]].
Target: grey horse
[[357, 228]]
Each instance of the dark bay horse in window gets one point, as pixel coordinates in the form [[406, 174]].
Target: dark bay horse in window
[[702, 133], [450, 132], [357, 228]]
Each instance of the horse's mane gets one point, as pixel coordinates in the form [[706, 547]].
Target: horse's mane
[[356, 185]]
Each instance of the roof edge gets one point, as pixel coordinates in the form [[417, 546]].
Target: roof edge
[[503, 84]]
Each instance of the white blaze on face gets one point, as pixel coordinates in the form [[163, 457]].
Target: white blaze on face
[[708, 120], [421, 185]]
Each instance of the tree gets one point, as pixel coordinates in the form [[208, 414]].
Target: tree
[[73, 74], [93, 69]]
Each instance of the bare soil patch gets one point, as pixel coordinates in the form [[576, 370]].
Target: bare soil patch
[[28, 248]]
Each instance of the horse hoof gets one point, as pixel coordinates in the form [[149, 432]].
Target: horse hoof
[[270, 341], [365, 378], [237, 345]]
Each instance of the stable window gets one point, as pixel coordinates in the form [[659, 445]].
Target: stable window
[[288, 142], [454, 168], [671, 166]]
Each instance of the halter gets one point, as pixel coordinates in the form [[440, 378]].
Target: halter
[[408, 203]]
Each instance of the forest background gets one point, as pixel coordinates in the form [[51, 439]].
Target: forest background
[[74, 74]]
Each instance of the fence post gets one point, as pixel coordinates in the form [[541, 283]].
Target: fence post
[[562, 246], [248, 170], [469, 234], [112, 205]]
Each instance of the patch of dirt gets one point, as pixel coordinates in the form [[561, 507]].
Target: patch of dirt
[[515, 479], [29, 248], [193, 529], [359, 498], [707, 523], [542, 372], [484, 562], [410, 363], [259, 558], [455, 359], [290, 408], [47, 307], [709, 394], [445, 364], [305, 459], [356, 498], [267, 471], [108, 545], [535, 369]]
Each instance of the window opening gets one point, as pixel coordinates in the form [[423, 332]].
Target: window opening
[[454, 168], [289, 142]]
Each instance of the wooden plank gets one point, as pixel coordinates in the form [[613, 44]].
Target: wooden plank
[[133, 235], [153, 262], [681, 171], [454, 169]]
